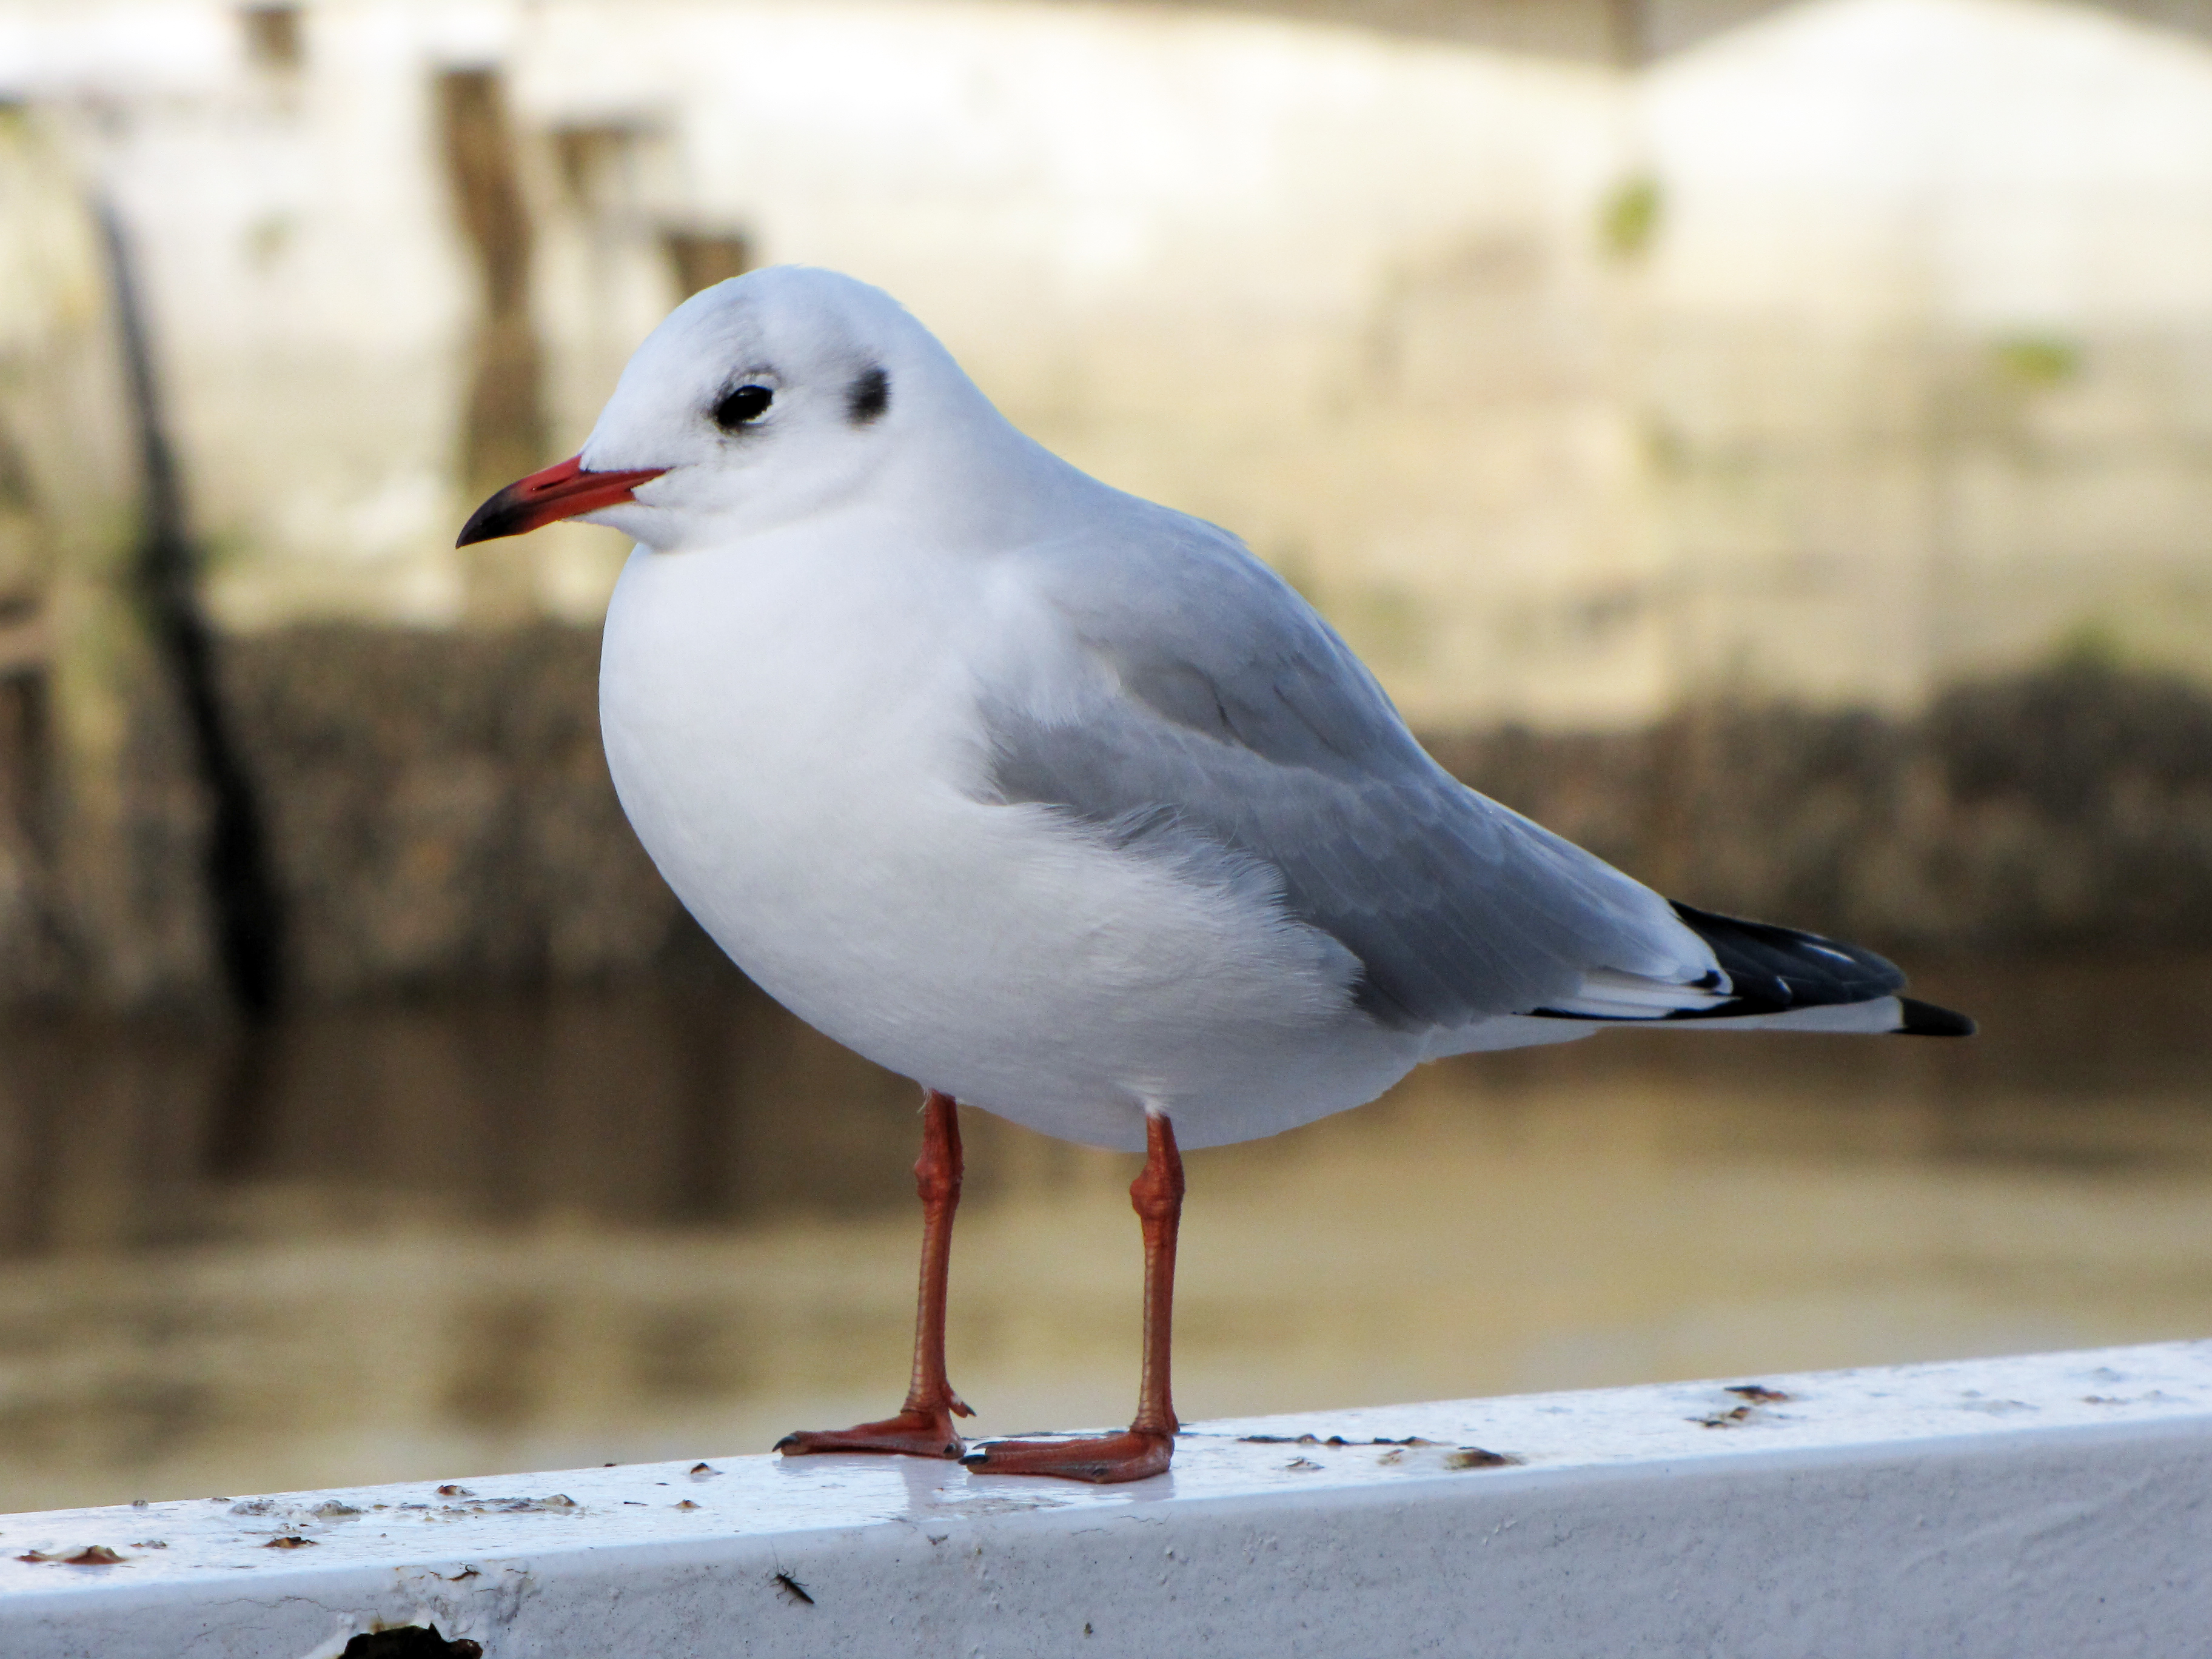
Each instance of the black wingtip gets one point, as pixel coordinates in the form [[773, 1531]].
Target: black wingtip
[[1926, 1019]]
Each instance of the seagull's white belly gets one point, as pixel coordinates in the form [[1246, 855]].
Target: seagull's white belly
[[797, 752]]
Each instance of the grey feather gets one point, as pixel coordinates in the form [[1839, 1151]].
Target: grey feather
[[1221, 717]]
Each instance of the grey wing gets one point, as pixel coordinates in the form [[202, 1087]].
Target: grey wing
[[1221, 715]]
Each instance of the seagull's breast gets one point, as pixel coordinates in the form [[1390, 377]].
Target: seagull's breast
[[794, 734]]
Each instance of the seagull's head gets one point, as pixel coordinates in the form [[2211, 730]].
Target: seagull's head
[[757, 401]]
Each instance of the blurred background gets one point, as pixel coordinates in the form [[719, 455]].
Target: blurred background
[[1770, 444]]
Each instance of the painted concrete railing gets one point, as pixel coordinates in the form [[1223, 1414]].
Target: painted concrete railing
[[2046, 1504]]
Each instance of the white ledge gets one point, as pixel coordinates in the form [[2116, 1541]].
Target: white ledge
[[2046, 1504]]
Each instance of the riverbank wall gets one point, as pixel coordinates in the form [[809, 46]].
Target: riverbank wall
[[434, 813]]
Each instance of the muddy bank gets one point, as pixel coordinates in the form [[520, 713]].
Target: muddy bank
[[439, 811], [2066, 807], [437, 814]]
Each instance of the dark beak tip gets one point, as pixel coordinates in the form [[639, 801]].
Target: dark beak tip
[[471, 533], [494, 519]]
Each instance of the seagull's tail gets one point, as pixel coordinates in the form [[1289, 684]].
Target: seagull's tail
[[1775, 978]]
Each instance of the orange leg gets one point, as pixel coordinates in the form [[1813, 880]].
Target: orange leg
[[923, 1427], [1145, 1449]]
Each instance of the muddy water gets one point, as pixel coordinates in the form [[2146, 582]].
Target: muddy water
[[662, 1220]]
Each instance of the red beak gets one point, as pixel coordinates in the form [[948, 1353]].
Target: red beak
[[558, 492]]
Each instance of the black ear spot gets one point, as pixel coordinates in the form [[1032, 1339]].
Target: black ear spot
[[868, 397]]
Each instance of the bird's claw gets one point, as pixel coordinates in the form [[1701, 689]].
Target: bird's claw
[[912, 1433], [1105, 1460]]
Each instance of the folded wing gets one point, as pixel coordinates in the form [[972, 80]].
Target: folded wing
[[1219, 718]]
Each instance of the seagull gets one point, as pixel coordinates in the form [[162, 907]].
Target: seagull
[[1061, 803]]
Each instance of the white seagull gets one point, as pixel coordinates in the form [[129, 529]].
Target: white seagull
[[1061, 803]]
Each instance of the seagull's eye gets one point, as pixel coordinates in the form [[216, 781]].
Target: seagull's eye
[[742, 406]]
